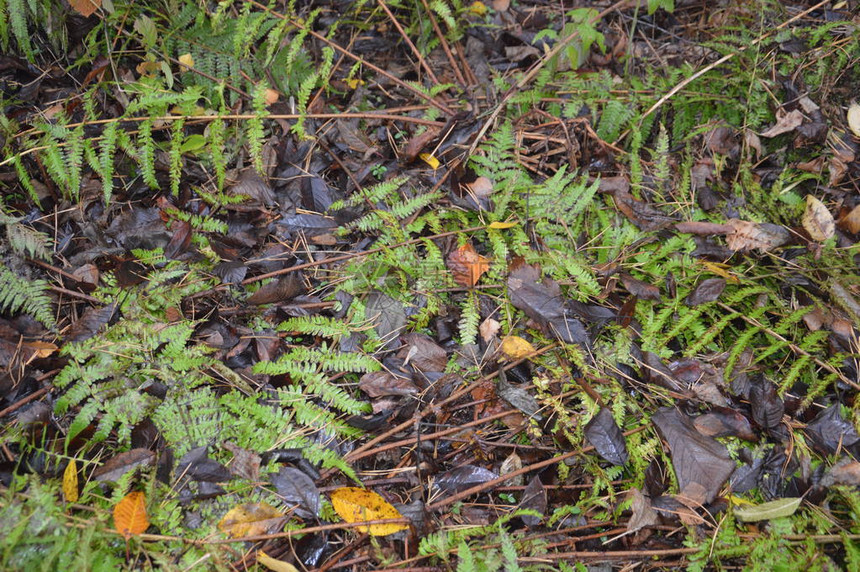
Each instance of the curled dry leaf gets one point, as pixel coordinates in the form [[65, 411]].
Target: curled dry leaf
[[785, 123], [851, 221], [467, 266], [817, 220]]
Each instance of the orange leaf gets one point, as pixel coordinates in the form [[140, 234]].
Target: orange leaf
[[70, 482], [467, 266], [85, 8], [251, 519], [358, 505], [129, 515]]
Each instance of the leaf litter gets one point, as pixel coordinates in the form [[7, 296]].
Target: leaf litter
[[497, 318]]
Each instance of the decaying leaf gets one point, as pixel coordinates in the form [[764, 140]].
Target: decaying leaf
[[747, 236], [70, 482], [119, 465], [643, 515], [282, 289], [359, 505], [785, 122], [768, 510], [85, 8], [817, 220], [251, 519], [534, 498], [129, 515], [273, 564], [701, 463], [467, 266]]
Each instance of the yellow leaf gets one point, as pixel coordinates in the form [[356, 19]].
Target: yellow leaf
[[354, 83], [85, 8], [186, 61], [817, 220], [359, 505], [854, 119], [516, 347], [502, 225], [429, 159], [148, 68], [478, 8], [129, 515], [70, 482], [250, 519], [274, 564], [721, 270]]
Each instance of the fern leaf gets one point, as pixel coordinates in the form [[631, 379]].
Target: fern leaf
[[29, 296]]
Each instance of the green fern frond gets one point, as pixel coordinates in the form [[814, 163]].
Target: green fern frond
[[25, 240], [28, 296]]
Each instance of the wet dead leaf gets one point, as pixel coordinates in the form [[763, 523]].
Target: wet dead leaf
[[768, 510], [467, 266], [851, 221], [817, 220], [359, 505], [85, 8], [298, 491], [706, 291], [606, 438], [462, 478], [702, 464], [129, 515], [251, 519], [119, 465]]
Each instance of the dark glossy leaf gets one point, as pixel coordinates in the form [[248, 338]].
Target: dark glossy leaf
[[607, 439], [284, 288], [310, 223], [197, 466], [381, 383], [707, 291], [180, 241], [543, 302], [463, 478], [534, 498], [423, 353], [316, 194], [90, 323], [830, 432], [767, 408], [640, 289], [298, 490], [701, 463], [119, 465], [231, 272], [725, 422]]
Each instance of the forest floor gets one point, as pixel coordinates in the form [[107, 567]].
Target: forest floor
[[429, 285]]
